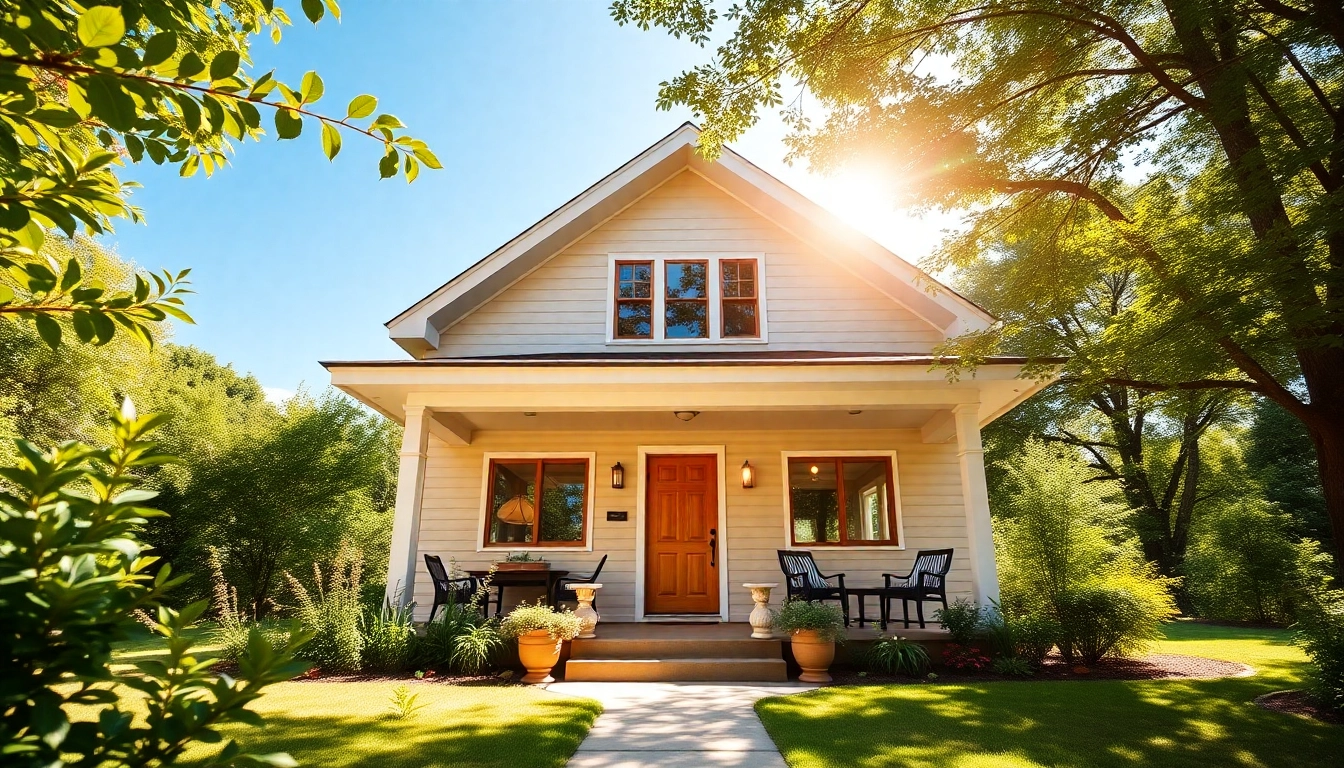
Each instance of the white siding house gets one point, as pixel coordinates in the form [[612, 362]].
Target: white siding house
[[688, 320]]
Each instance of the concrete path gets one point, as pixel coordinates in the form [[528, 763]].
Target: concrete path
[[671, 725]]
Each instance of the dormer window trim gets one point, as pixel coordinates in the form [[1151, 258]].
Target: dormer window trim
[[715, 300]]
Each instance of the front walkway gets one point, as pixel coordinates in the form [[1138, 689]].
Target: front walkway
[[677, 724]]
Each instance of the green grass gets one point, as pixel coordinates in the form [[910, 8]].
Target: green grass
[[341, 724], [1083, 723]]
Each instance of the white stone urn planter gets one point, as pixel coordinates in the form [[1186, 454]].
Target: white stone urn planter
[[760, 615], [586, 612]]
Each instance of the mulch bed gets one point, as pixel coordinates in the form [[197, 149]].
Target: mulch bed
[[1157, 666], [1298, 703], [472, 680]]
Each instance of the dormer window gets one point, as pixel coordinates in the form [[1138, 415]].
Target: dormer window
[[687, 298]]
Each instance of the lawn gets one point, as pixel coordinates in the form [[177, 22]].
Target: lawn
[[1082, 723], [340, 724]]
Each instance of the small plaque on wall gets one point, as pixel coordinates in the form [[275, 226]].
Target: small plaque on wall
[[617, 516]]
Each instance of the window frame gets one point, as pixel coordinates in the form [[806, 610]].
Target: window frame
[[616, 298], [715, 300], [755, 297], [894, 517], [483, 543]]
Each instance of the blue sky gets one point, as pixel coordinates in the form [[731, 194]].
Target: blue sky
[[525, 103]]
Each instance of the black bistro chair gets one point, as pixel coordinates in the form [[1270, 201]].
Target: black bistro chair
[[447, 589], [927, 580], [564, 590], [804, 581]]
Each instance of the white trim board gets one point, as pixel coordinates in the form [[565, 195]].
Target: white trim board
[[485, 499], [784, 457], [643, 453]]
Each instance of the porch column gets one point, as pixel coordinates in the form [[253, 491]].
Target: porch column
[[406, 515], [975, 495]]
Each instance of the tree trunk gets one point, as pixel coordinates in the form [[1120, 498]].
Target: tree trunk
[[1328, 435]]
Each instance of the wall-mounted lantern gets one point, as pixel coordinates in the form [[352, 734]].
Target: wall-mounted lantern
[[748, 475], [618, 476]]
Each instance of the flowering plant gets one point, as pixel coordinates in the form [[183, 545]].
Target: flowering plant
[[965, 658]]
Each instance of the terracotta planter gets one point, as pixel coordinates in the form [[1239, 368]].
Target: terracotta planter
[[539, 652], [522, 566], [814, 655]]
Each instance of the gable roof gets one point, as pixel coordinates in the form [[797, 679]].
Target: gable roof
[[417, 329]]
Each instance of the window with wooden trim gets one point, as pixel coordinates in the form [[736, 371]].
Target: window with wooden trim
[[634, 300], [740, 306], [686, 301], [518, 513], [842, 501]]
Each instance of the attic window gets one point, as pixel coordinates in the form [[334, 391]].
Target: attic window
[[687, 298]]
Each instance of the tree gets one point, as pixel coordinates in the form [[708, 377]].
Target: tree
[[288, 494], [1280, 456], [86, 88], [1207, 136]]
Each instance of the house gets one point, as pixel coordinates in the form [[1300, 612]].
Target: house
[[760, 375]]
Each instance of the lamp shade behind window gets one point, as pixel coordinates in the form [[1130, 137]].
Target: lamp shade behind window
[[517, 511]]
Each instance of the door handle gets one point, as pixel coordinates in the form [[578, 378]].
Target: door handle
[[713, 545]]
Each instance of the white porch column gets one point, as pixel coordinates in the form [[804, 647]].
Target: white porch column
[[406, 515], [975, 495]]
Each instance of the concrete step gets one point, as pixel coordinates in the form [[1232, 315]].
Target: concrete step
[[674, 648], [676, 670]]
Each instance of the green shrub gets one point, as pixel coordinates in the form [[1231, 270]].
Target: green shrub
[[477, 648], [1320, 633], [388, 638], [962, 620], [333, 614], [1099, 620], [1035, 635], [1244, 565], [799, 615], [561, 625], [1065, 554], [897, 656], [73, 575], [1013, 666]]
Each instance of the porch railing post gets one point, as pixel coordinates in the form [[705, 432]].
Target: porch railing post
[[975, 496], [406, 514]]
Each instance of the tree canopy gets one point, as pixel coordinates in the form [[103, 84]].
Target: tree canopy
[[1200, 143]]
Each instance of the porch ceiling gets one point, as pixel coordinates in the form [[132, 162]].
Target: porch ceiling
[[707, 421]]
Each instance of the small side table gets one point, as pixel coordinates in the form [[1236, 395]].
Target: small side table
[[863, 592], [586, 613], [760, 617]]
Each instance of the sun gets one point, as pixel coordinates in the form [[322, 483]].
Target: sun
[[869, 198]]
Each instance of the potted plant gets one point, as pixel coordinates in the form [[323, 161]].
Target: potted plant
[[522, 561], [540, 630], [814, 628]]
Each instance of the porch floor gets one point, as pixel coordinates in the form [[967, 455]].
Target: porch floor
[[653, 630]]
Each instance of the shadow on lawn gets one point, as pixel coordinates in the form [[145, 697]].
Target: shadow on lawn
[[469, 737], [1102, 723]]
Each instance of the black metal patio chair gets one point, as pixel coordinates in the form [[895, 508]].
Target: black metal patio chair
[[564, 587], [927, 580], [447, 589], [805, 581]]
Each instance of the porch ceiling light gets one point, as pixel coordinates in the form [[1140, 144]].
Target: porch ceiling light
[[748, 475], [618, 476], [685, 415], [517, 511]]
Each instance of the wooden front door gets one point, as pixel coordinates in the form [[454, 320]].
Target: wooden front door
[[681, 543]]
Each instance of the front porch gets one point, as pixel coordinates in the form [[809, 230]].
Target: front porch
[[709, 652]]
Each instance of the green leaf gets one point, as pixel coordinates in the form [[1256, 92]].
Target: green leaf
[[331, 140], [387, 167], [412, 169], [101, 25], [103, 327], [428, 158], [73, 273], [83, 326], [6, 295], [361, 106], [48, 329], [288, 123], [55, 116], [190, 66], [311, 89], [386, 121], [160, 48], [110, 103], [224, 65], [313, 10], [189, 166]]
